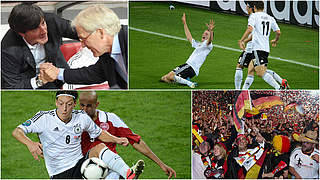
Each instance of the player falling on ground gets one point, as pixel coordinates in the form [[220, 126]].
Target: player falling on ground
[[111, 123], [191, 68], [260, 25], [60, 132], [245, 61]]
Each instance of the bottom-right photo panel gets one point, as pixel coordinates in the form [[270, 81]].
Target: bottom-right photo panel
[[255, 134]]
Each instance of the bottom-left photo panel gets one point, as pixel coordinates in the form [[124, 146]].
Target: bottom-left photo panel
[[95, 134]]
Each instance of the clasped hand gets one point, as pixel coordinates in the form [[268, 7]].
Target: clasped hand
[[48, 72]]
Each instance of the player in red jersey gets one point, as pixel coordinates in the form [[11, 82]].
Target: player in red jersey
[[114, 125]]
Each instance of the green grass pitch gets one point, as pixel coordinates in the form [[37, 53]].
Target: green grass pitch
[[152, 56], [162, 119]]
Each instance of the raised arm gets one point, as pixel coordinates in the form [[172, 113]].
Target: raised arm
[[143, 148], [35, 148], [210, 29], [186, 29]]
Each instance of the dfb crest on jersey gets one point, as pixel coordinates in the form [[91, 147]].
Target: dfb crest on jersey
[[104, 126], [27, 123], [77, 129]]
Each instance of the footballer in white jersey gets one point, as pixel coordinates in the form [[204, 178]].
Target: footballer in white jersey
[[260, 24], [60, 141], [246, 57], [183, 73], [60, 132]]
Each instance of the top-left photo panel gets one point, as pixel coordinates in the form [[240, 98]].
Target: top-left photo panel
[[64, 45]]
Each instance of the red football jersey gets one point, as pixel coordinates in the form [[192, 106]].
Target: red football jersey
[[114, 125]]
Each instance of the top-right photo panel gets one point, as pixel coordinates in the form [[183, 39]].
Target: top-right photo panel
[[224, 45]]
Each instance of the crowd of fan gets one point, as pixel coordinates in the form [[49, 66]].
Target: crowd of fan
[[213, 120]]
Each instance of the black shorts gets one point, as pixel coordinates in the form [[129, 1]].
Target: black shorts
[[260, 58], [245, 58], [185, 71], [72, 173]]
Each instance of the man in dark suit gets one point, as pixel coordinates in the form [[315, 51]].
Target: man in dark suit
[[98, 29], [34, 37]]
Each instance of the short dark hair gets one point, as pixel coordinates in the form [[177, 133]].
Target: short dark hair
[[259, 5], [250, 4], [25, 17], [72, 93]]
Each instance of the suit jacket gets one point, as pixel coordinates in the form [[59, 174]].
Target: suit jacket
[[17, 62], [103, 70]]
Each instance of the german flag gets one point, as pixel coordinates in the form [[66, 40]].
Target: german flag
[[241, 103], [264, 101]]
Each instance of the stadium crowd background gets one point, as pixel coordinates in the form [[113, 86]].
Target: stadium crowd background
[[212, 114]]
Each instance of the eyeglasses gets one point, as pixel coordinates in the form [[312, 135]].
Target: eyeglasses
[[85, 39]]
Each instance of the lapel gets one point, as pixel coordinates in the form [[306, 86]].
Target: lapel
[[28, 56], [122, 41], [49, 54]]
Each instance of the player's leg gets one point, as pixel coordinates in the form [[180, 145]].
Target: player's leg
[[168, 78], [238, 76], [279, 79], [260, 66], [250, 77], [261, 72], [182, 73], [115, 162]]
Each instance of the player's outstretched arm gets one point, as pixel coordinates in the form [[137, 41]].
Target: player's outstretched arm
[[210, 29], [143, 148], [35, 148], [274, 42], [107, 137], [248, 39], [244, 36], [186, 29]]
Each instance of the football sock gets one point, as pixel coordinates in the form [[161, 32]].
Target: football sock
[[114, 161], [269, 79], [182, 81], [275, 75], [238, 78], [247, 83]]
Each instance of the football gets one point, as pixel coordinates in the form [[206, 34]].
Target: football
[[94, 168], [171, 7]]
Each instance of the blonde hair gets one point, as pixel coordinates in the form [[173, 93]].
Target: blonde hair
[[222, 151], [98, 16]]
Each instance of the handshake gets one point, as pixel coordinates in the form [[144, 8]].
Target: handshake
[[48, 73]]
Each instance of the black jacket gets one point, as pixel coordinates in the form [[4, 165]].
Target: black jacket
[[17, 62], [103, 70]]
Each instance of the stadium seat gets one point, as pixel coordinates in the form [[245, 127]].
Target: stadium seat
[[70, 49], [97, 87]]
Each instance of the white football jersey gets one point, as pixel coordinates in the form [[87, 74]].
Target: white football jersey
[[61, 141], [262, 24], [199, 55], [249, 46], [305, 166]]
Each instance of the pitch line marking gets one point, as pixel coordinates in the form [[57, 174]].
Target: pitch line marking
[[224, 47]]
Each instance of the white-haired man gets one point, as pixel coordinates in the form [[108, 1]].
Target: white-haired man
[[97, 26]]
